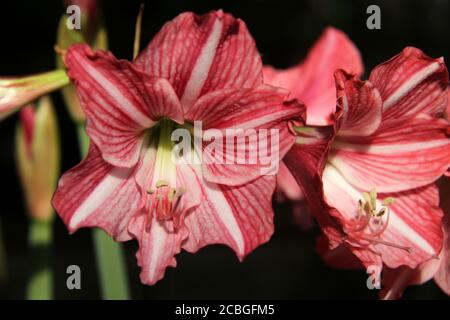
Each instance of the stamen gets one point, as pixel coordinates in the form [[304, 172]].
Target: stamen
[[369, 223], [389, 244], [161, 183]]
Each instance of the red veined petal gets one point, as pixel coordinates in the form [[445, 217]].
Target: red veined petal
[[157, 246], [442, 276], [120, 102], [262, 116], [201, 54], [97, 194], [240, 217], [306, 160], [411, 83], [395, 281], [312, 80], [360, 103], [409, 155]]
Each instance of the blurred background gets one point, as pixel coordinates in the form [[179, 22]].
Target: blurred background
[[285, 268]]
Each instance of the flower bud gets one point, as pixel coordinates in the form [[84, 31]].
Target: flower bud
[[38, 157], [16, 92]]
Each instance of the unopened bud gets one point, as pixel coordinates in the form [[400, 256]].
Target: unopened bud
[[38, 157]]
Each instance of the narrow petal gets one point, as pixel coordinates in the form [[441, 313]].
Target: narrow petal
[[120, 102], [306, 160], [260, 117], [411, 83], [97, 194], [200, 54], [412, 232], [409, 155], [240, 217], [312, 81], [157, 246], [361, 105]]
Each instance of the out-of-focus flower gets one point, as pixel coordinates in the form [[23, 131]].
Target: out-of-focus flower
[[369, 178], [312, 81], [16, 92], [38, 157], [92, 32], [202, 68]]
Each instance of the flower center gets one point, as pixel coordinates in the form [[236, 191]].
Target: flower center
[[372, 220], [164, 193]]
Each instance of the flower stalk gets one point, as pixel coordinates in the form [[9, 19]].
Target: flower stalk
[[16, 92], [40, 286]]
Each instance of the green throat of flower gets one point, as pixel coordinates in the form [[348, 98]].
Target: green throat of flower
[[164, 190]]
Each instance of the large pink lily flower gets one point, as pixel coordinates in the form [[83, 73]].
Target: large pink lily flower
[[197, 68], [312, 81], [369, 178]]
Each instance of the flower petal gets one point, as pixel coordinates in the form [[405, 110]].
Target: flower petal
[[157, 246], [240, 217], [287, 184], [254, 132], [442, 276], [395, 281], [411, 83], [312, 81], [409, 155], [306, 160], [120, 102], [200, 54], [97, 194], [360, 103], [414, 223]]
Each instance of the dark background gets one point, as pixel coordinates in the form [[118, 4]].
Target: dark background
[[288, 266]]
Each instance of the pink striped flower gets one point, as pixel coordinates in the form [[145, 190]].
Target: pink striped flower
[[197, 68], [369, 177]]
